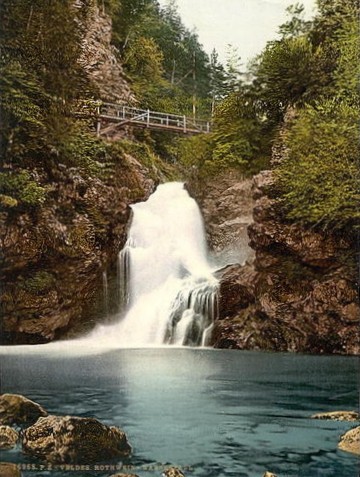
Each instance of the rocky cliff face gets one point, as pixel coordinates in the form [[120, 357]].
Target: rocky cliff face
[[226, 204], [53, 258], [100, 58], [300, 294]]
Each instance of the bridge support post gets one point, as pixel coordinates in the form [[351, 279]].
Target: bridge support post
[[148, 118], [184, 124]]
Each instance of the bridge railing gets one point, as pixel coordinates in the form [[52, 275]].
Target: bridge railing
[[149, 118], [124, 114]]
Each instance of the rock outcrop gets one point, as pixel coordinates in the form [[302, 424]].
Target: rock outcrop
[[17, 409], [9, 470], [349, 416], [226, 204], [74, 440], [8, 437], [53, 257], [302, 293], [101, 59], [350, 441]]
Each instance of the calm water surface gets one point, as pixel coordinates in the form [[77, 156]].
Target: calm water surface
[[222, 413]]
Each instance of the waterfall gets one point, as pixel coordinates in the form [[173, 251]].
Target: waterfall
[[123, 275], [105, 293], [165, 283]]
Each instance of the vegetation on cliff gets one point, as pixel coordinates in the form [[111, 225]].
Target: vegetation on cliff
[[64, 193], [43, 80], [311, 69], [319, 178]]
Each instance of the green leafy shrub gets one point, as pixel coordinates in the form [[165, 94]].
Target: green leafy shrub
[[319, 180], [89, 153], [21, 188], [143, 153]]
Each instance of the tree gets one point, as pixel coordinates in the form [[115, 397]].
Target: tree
[[296, 25], [319, 180], [232, 69], [42, 77], [217, 80], [284, 75]]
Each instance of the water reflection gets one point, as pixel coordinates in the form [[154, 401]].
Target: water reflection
[[223, 413]]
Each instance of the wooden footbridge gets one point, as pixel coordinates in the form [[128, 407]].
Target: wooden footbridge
[[124, 115]]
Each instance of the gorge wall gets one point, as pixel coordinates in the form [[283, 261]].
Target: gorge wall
[[53, 256], [300, 293]]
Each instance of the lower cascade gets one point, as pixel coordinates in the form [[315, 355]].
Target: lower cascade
[[165, 283]]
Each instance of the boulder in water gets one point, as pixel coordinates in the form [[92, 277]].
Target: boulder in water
[[9, 470], [350, 441], [70, 439], [8, 437], [17, 409], [269, 474], [173, 472], [350, 416]]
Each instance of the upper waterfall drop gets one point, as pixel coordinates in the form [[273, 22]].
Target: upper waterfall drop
[[166, 282]]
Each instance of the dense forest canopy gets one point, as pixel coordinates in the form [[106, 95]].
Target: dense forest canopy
[[310, 69]]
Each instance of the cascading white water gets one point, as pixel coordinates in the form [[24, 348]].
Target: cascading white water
[[105, 293], [164, 278]]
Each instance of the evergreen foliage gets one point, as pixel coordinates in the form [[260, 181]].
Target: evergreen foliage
[[19, 189], [312, 67], [41, 78], [319, 180]]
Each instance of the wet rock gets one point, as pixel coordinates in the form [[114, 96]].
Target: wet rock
[[8, 437], [338, 416], [17, 409], [350, 441], [9, 470], [237, 285], [262, 183], [269, 474], [173, 472], [74, 440], [226, 204]]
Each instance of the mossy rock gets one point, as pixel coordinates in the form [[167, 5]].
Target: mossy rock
[[40, 283], [17, 409], [9, 470], [350, 441], [68, 440], [8, 437]]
